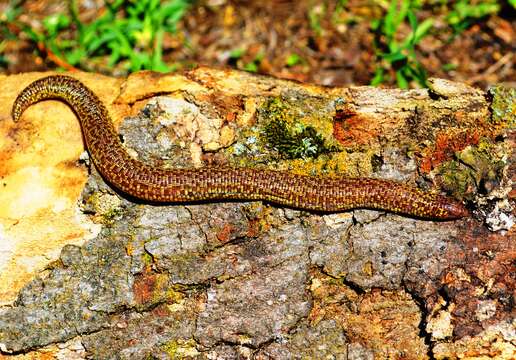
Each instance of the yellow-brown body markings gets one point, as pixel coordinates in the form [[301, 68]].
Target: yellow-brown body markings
[[153, 184]]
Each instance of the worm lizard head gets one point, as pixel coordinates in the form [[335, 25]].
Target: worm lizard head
[[455, 210]]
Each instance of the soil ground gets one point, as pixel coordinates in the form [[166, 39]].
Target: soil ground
[[333, 45]]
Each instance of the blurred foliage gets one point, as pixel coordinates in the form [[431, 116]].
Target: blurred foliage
[[236, 59], [396, 55], [6, 18], [315, 16], [127, 31], [3, 59], [129, 35], [465, 13]]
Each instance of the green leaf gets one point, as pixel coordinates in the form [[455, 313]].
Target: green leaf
[[237, 53], [157, 62], [97, 42], [393, 46], [293, 59], [395, 16], [378, 77], [401, 80], [403, 12], [33, 34], [400, 56], [416, 72], [153, 5], [12, 12], [174, 10], [88, 34], [259, 57], [136, 61], [397, 56], [173, 13], [449, 67], [114, 6], [75, 56], [115, 54], [389, 20], [422, 30], [251, 67], [54, 23], [3, 61], [412, 20], [54, 48], [376, 23]]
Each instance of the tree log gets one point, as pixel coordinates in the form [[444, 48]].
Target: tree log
[[88, 271]]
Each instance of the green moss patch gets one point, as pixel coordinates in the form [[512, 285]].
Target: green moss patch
[[474, 169], [289, 137], [503, 105]]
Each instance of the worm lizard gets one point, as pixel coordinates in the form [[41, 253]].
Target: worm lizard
[[148, 183]]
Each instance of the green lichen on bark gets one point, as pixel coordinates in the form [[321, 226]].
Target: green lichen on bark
[[503, 105], [107, 207], [181, 349], [477, 167]]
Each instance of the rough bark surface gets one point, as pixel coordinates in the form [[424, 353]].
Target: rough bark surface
[[88, 272]]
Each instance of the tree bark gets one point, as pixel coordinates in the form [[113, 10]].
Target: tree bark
[[88, 271]]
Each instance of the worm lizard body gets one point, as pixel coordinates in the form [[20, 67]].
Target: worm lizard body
[[328, 194]]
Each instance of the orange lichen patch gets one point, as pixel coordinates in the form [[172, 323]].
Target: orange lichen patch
[[227, 107], [206, 78], [148, 287], [231, 116], [161, 311], [352, 129], [446, 145], [224, 235], [253, 228], [143, 287], [129, 249]]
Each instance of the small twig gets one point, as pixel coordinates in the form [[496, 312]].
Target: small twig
[[56, 59], [493, 68]]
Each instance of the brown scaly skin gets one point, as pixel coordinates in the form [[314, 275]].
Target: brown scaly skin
[[148, 183]]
